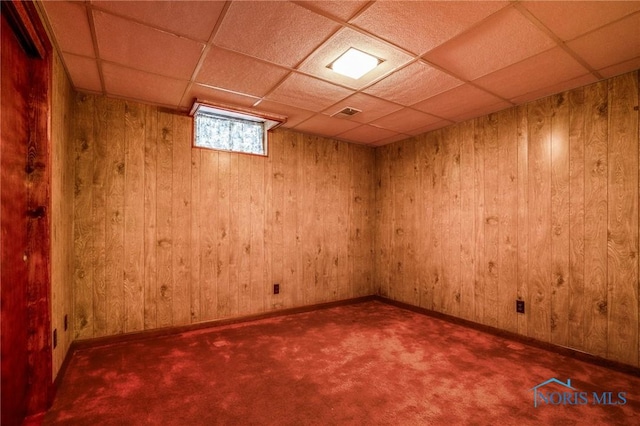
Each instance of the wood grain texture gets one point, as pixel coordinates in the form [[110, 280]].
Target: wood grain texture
[[62, 189], [540, 219], [576, 218], [182, 234], [595, 219], [622, 259], [547, 214], [560, 215]]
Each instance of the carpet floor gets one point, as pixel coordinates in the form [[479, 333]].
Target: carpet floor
[[363, 364]]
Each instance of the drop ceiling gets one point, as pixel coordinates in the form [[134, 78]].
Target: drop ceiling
[[444, 61]]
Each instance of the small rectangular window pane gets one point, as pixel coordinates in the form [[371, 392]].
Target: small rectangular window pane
[[229, 134]]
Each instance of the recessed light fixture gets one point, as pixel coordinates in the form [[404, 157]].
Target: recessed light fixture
[[354, 63]]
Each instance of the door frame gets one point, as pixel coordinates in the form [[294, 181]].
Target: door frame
[[25, 21]]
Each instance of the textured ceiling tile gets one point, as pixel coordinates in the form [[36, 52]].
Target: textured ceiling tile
[[198, 91], [430, 127], [372, 108], [473, 113], [504, 39], [405, 120], [308, 93], [133, 84], [610, 45], [546, 69], [456, 101], [344, 39], [193, 19], [239, 73], [278, 32], [325, 126], [294, 115], [421, 26], [412, 84], [583, 80], [145, 48], [70, 25], [570, 19], [367, 134], [396, 138], [83, 72], [621, 68], [342, 10]]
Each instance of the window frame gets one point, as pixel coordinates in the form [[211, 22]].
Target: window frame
[[268, 121]]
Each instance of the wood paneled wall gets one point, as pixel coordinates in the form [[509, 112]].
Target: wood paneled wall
[[537, 203], [166, 234], [62, 161]]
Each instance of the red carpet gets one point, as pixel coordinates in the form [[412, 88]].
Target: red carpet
[[368, 363]]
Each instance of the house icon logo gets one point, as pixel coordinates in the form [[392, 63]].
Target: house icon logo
[[562, 393], [536, 392]]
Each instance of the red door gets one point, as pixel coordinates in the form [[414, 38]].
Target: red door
[[24, 245]]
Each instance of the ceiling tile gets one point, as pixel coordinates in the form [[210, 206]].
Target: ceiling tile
[[570, 19], [429, 127], [339, 43], [405, 120], [145, 48], [503, 39], [367, 134], [546, 69], [239, 73], [412, 84], [193, 19], [325, 126], [70, 25], [276, 31], [421, 26], [583, 80], [610, 45], [621, 68], [342, 10], [83, 72], [308, 93], [294, 115], [198, 91], [134, 84], [391, 139], [372, 108], [456, 101]]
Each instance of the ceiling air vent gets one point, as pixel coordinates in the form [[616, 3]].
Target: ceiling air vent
[[346, 112]]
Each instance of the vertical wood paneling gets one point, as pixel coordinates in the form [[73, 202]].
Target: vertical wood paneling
[[523, 213], [114, 243], [244, 219], [576, 218], [548, 214], [560, 220], [209, 232], [467, 259], [507, 219], [257, 189], [623, 219], [150, 222], [595, 219], [539, 219], [489, 135], [479, 224], [223, 235], [164, 252], [134, 218], [196, 232], [99, 213], [181, 221], [344, 289], [83, 223], [235, 246]]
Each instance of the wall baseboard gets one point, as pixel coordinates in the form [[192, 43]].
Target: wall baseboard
[[561, 350]]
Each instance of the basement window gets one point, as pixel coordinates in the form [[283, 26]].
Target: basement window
[[225, 128]]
